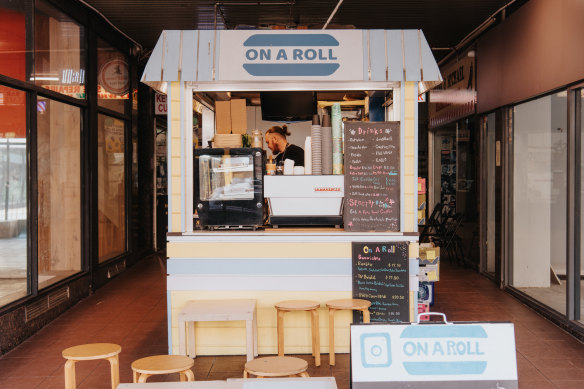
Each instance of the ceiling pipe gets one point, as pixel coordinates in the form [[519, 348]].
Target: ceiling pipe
[[476, 32], [332, 14]]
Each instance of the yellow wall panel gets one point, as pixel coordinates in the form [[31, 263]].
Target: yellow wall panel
[[414, 250], [259, 250], [228, 338]]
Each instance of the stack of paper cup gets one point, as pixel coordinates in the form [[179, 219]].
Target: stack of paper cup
[[308, 155], [337, 139], [327, 145], [315, 136]]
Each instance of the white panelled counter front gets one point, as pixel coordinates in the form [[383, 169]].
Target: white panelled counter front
[[269, 266]]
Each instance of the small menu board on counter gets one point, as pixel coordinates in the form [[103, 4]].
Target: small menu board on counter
[[372, 169], [380, 275]]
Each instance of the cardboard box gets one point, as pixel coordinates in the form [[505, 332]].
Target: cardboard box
[[230, 117], [222, 117], [227, 140], [238, 116]]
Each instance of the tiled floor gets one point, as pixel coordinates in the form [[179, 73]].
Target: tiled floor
[[131, 311]]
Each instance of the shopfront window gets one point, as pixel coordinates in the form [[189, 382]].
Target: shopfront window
[[113, 79], [59, 190], [59, 52], [111, 187], [13, 198], [13, 39], [539, 199]]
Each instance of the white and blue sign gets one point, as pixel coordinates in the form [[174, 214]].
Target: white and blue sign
[[477, 355], [293, 55]]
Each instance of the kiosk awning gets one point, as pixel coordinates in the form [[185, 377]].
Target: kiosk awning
[[234, 60]]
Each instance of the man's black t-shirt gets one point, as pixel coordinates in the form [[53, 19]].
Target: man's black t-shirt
[[292, 152]]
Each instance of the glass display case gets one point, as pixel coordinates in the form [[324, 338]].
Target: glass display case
[[229, 187]]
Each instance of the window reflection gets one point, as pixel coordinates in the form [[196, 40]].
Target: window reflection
[[111, 187], [112, 78], [59, 191], [13, 40], [59, 52], [13, 195]]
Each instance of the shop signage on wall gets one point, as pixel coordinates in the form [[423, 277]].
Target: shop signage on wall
[[300, 55], [113, 77], [456, 97], [475, 355], [160, 106]]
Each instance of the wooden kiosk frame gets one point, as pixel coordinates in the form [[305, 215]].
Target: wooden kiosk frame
[[280, 264]]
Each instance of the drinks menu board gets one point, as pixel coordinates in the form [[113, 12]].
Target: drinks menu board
[[372, 185], [380, 275]]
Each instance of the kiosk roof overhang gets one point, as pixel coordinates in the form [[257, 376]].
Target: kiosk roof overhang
[[237, 60]]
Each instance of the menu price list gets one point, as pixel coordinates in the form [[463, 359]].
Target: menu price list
[[372, 184], [380, 275]]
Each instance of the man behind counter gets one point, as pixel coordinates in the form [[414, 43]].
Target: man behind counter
[[276, 140]]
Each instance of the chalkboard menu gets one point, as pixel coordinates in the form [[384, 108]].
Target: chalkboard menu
[[380, 275], [372, 186]]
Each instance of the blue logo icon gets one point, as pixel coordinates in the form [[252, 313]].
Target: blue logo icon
[[271, 55], [375, 350]]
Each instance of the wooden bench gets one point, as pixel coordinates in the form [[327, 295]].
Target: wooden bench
[[217, 310]]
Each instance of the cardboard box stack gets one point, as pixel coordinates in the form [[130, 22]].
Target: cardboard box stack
[[429, 273]]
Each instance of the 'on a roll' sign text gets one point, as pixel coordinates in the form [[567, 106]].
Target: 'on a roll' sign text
[[290, 55]]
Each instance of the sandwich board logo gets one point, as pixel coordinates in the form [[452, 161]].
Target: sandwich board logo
[[375, 350], [293, 55], [406, 355]]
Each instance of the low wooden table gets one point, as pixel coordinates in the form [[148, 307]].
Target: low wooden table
[[218, 310]]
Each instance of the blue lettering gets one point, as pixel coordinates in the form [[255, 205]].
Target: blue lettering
[[461, 348], [331, 55], [437, 349], [422, 348], [320, 56], [281, 55], [409, 348], [450, 347], [310, 54], [297, 54], [265, 54], [251, 54]]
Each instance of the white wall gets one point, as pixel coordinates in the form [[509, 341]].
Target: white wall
[[299, 130]]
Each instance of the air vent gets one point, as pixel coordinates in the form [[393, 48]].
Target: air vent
[[116, 269], [58, 297], [37, 308]]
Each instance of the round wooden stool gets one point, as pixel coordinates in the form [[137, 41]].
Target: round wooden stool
[[163, 364], [276, 367], [337, 305], [299, 305], [90, 352]]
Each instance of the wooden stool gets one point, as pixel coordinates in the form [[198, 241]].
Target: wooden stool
[[90, 352], [218, 310], [299, 305], [163, 364], [337, 305], [276, 367]]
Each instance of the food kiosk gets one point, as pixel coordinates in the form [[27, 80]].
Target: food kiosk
[[274, 264]]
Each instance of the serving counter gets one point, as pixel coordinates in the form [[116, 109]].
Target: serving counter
[[269, 266]]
